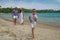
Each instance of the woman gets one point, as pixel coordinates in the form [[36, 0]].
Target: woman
[[21, 16]]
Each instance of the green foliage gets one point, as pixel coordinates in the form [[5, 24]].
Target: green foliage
[[48, 11], [9, 10]]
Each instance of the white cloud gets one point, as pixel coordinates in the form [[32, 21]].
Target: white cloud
[[22, 4], [58, 0], [37, 5]]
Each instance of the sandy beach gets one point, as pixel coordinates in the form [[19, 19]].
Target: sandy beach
[[9, 31]]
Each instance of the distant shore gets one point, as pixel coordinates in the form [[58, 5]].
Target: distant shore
[[9, 10]]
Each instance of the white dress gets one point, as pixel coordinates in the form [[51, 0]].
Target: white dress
[[21, 18]]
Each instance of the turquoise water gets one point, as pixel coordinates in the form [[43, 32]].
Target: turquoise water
[[43, 18]]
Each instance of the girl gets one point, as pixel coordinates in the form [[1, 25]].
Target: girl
[[21, 16], [33, 20]]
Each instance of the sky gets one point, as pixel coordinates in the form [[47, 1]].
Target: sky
[[30, 4]]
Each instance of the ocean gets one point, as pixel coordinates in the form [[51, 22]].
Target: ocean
[[52, 19]]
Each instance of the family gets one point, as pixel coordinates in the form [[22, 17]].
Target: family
[[32, 18]]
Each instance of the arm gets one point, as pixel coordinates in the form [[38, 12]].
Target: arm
[[18, 13], [22, 13], [36, 18], [30, 19]]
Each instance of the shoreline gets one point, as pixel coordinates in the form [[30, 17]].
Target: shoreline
[[25, 21], [23, 32]]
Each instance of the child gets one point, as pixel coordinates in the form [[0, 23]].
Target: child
[[15, 15], [33, 20], [21, 17]]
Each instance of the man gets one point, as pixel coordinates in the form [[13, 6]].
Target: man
[[33, 20], [15, 15]]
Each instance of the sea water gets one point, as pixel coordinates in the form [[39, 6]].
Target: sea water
[[43, 18]]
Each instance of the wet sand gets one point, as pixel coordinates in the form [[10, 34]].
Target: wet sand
[[9, 31]]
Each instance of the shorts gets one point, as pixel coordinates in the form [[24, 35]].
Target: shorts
[[15, 17], [33, 24]]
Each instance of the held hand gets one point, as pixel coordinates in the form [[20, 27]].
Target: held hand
[[30, 20], [35, 19]]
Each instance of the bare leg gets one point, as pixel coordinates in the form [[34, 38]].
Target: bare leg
[[21, 23], [33, 32], [14, 21]]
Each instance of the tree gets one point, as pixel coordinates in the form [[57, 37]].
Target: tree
[[0, 6]]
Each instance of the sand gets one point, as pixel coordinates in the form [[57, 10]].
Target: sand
[[9, 31]]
